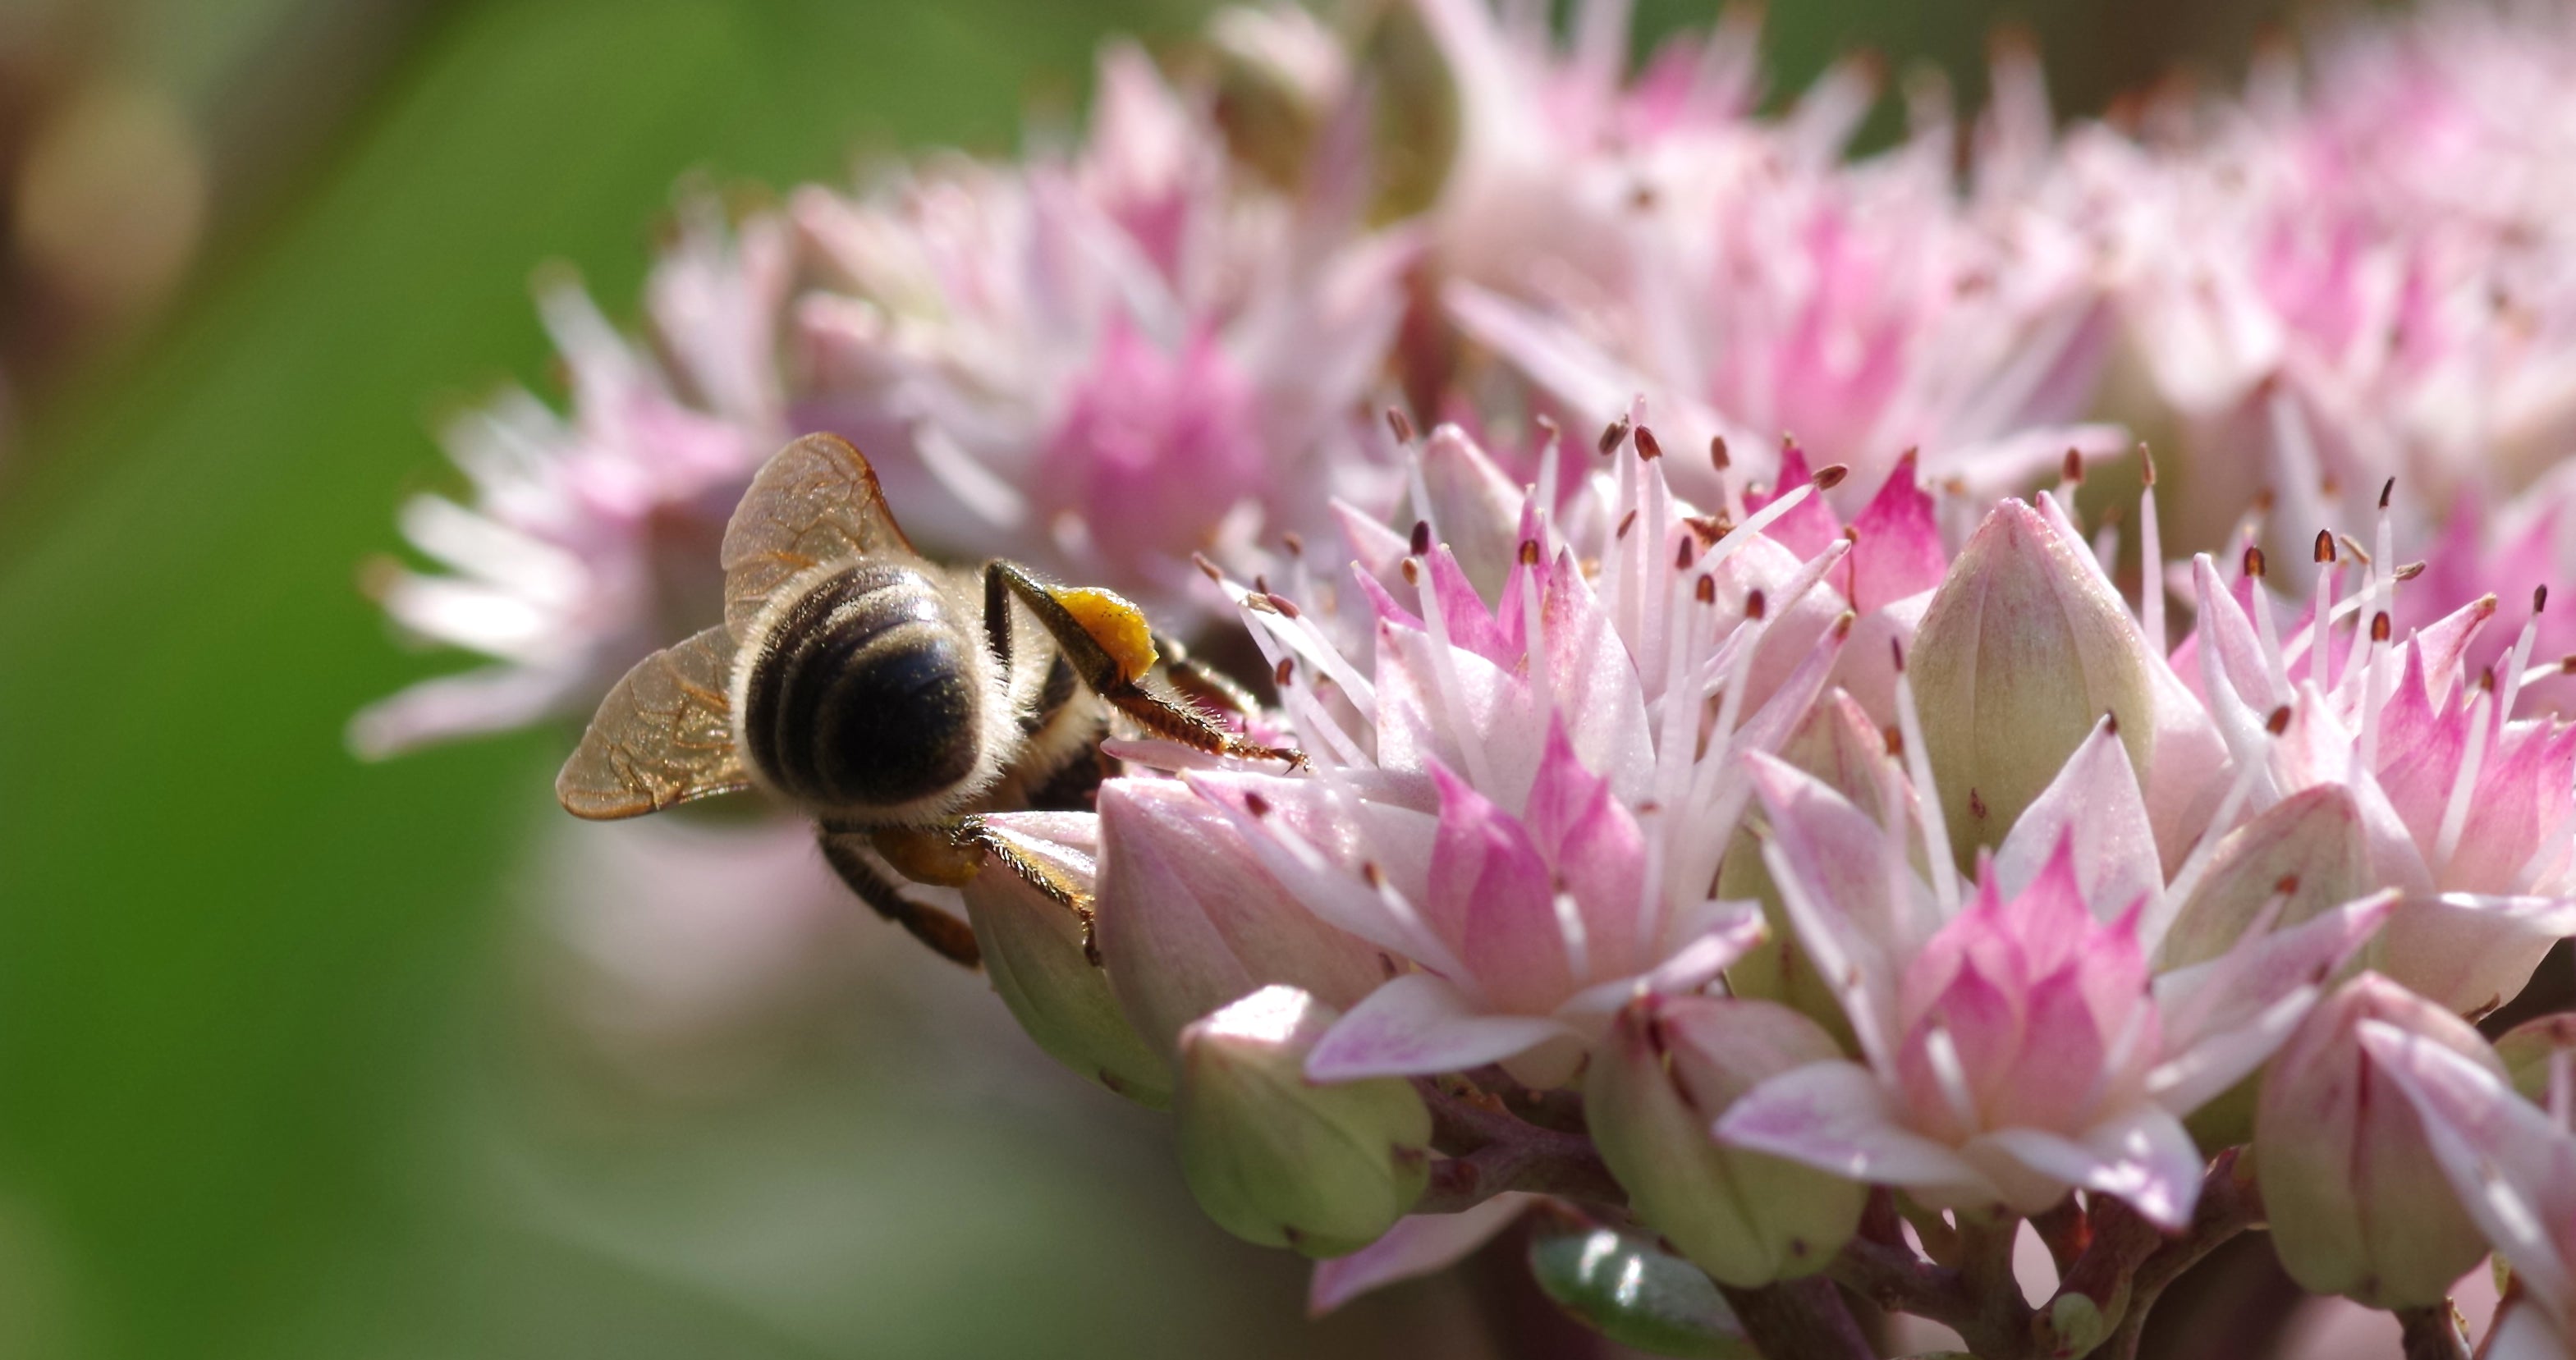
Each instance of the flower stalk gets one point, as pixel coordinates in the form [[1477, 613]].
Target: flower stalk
[[1489, 1151]]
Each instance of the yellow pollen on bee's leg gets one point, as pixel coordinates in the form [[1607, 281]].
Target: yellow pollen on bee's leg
[[1115, 623]]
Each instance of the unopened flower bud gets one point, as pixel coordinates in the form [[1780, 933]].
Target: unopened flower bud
[[1278, 73], [2540, 1055], [1277, 1159], [2307, 850], [1417, 130], [2359, 1206], [1671, 1066], [1189, 920], [2022, 650], [1034, 953], [2076, 1323]]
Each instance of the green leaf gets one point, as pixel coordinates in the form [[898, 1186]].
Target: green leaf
[[1625, 1287]]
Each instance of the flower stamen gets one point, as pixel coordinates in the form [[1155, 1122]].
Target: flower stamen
[[2151, 557], [2267, 634], [2320, 614], [2521, 658], [2455, 816]]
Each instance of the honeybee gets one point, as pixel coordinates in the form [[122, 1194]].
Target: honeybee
[[876, 690]]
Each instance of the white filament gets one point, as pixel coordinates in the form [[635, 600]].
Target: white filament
[[2512, 679], [2268, 636], [2320, 626], [2151, 570], [2455, 816], [2367, 752]]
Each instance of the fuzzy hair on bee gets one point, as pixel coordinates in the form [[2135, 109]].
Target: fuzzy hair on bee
[[890, 697]]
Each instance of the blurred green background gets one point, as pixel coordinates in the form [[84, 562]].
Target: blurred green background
[[274, 1075]]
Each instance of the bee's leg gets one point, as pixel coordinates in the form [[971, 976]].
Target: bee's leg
[[846, 850], [1168, 717], [1201, 684], [1045, 878], [1111, 647], [997, 617], [1054, 693]]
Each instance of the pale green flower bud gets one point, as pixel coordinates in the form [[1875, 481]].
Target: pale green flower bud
[[1279, 73], [2076, 1323], [2022, 650], [1034, 952], [2537, 1053], [1670, 1067], [2307, 849], [2359, 1206], [1282, 1161]]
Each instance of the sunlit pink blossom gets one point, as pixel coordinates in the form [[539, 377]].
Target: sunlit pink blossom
[[1741, 275], [1561, 151], [1521, 797], [2466, 811], [2358, 272], [1108, 363], [2017, 1045], [2487, 547]]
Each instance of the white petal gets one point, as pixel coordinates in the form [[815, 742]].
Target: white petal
[[2096, 795], [1419, 1025], [2212, 999], [1836, 1117], [2201, 1073], [2471, 952], [1725, 932], [1312, 874], [2143, 1156], [493, 699]]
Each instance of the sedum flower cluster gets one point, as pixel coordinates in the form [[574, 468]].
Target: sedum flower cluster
[[1852, 706]]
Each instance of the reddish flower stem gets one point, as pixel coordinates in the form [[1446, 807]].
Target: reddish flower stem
[[2433, 1332], [2229, 1204], [1491, 1151], [1799, 1320], [2114, 1258], [1896, 1279], [2066, 1231], [2106, 1253]]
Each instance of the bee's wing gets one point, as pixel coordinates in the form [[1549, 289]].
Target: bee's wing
[[663, 736], [814, 501]]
